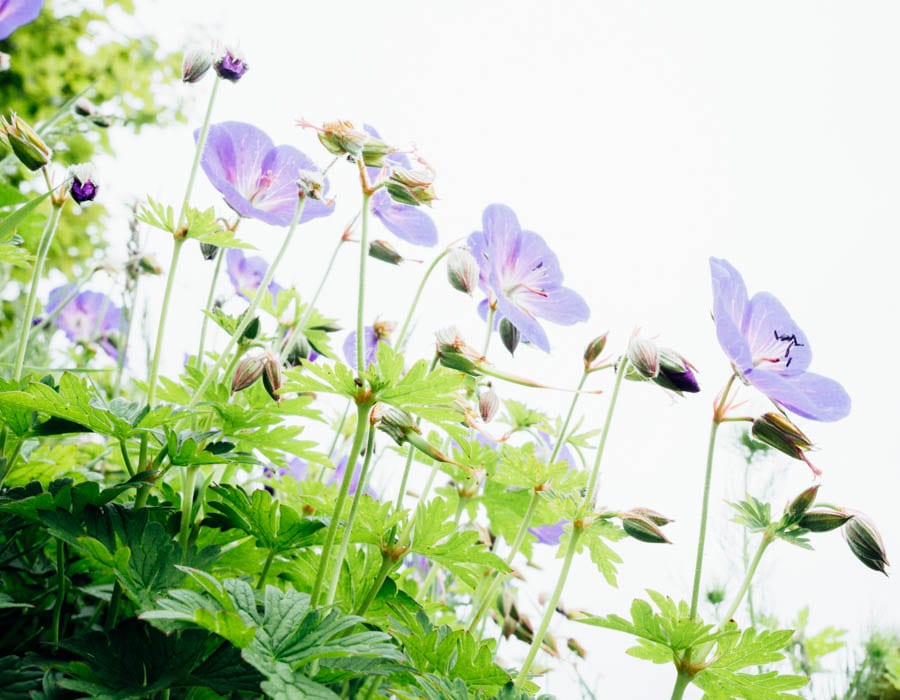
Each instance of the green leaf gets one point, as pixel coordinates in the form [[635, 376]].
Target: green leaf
[[9, 223], [601, 554]]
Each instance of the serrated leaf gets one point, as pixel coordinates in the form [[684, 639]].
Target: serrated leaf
[[10, 222], [601, 554]]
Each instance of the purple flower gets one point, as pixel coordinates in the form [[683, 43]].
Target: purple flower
[[257, 178], [83, 188], [405, 221], [521, 277], [17, 13], [380, 332], [246, 273], [768, 349], [88, 317], [548, 534], [231, 66]]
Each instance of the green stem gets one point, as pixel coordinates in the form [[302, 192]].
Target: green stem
[[123, 447], [492, 310], [210, 300], [682, 681], [767, 539], [362, 424], [401, 337], [60, 589], [354, 506], [551, 608], [187, 507], [263, 289], [561, 438], [198, 152], [340, 429], [265, 570], [387, 565], [361, 296], [36, 275], [590, 495]]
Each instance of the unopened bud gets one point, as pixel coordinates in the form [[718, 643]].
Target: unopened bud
[[676, 373], [644, 356], [249, 369], [865, 542], [311, 184], [777, 431], [251, 331], [374, 151], [652, 516], [231, 66], [454, 353], [413, 187], [209, 251], [384, 251], [149, 265], [272, 378], [196, 64], [576, 647], [823, 519], [27, 146], [394, 421], [84, 108], [642, 528], [83, 188], [802, 503], [715, 595], [510, 335], [462, 270], [594, 349], [341, 137], [488, 405]]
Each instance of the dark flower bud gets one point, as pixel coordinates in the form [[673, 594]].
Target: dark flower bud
[[462, 270], [300, 349], [272, 378], [209, 251], [384, 251], [802, 503], [83, 188], [644, 356], [231, 66], [251, 331], [777, 431], [196, 64], [249, 369], [24, 142], [823, 519], [865, 542], [676, 373], [594, 349], [84, 108], [642, 528], [510, 335], [488, 405]]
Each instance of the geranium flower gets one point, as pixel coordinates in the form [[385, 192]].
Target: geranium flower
[[408, 222], [246, 273], [379, 332], [88, 317], [768, 349], [17, 13], [257, 178], [521, 277]]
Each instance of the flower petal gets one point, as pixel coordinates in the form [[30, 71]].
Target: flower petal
[[772, 333], [809, 395], [17, 13], [729, 302], [526, 323], [404, 221]]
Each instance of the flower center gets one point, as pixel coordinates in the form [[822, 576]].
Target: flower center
[[262, 186], [778, 349]]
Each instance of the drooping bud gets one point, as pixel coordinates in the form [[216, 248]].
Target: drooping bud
[[676, 373], [384, 251], [196, 64], [300, 350], [594, 349], [402, 428], [865, 542], [510, 335], [777, 431], [413, 187], [715, 595], [823, 519], [642, 528], [488, 405], [83, 188], [24, 142], [455, 353], [644, 356], [462, 270], [652, 516], [311, 184], [83, 107], [272, 378], [231, 66], [802, 503], [249, 369], [209, 251]]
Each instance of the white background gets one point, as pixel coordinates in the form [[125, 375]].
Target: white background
[[638, 139]]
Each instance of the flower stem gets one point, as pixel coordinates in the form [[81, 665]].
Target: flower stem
[[401, 337], [265, 570], [210, 300], [362, 424], [60, 588], [682, 681], [538, 640], [492, 310], [187, 507], [767, 539], [36, 274], [361, 296], [590, 495], [201, 142], [354, 505], [387, 565]]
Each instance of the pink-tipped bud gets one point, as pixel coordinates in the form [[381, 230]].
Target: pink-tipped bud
[[644, 357], [652, 516], [775, 430], [272, 378], [798, 507], [488, 405], [384, 251], [195, 65], [462, 270], [249, 369], [594, 349], [865, 542]]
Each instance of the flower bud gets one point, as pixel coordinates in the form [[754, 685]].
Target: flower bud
[[801, 503], [84, 108], [149, 266], [823, 519], [374, 151], [249, 369], [231, 66], [341, 137], [272, 378], [196, 64], [300, 350], [462, 270], [413, 187], [251, 331], [209, 251], [676, 373], [716, 595], [644, 356], [642, 528], [311, 184], [777, 431], [402, 428], [455, 353], [865, 542], [510, 335], [594, 349], [652, 516], [384, 251], [83, 188], [574, 646], [27, 146], [488, 405]]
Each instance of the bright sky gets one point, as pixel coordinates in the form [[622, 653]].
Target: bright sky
[[638, 139]]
